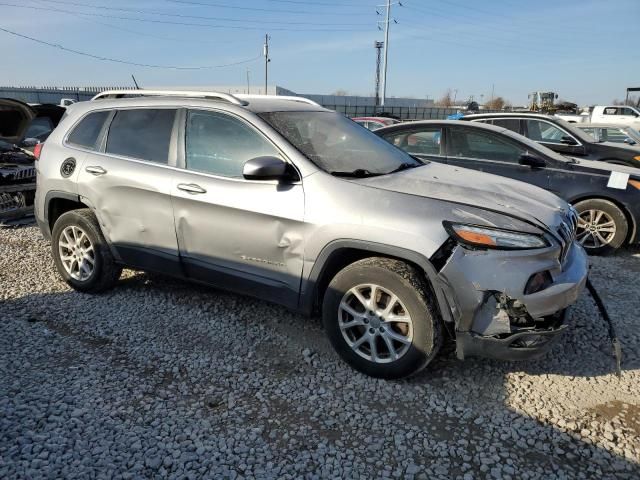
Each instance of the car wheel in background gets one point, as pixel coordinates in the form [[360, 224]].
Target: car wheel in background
[[380, 318], [602, 226], [81, 253]]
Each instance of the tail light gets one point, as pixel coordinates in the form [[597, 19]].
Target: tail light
[[37, 150]]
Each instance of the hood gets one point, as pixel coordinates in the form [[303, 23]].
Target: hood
[[477, 189], [605, 167], [15, 118]]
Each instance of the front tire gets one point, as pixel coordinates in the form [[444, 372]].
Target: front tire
[[81, 253], [379, 316], [602, 226]]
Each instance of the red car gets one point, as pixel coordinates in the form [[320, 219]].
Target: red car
[[374, 123]]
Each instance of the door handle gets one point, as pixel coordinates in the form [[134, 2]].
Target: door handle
[[191, 188], [96, 170]]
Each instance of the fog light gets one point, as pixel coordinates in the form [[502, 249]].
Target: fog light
[[538, 282]]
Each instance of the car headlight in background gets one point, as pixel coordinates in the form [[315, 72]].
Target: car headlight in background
[[487, 237]]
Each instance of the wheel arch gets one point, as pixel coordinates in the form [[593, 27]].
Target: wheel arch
[[631, 234], [57, 203], [340, 253]]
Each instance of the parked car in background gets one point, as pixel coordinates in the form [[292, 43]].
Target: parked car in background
[[296, 204], [617, 114], [373, 123], [610, 132], [22, 128], [561, 137], [607, 197]]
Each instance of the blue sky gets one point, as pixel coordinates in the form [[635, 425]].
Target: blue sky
[[586, 50]]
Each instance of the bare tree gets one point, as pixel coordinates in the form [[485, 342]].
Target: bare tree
[[496, 103], [446, 100], [632, 101]]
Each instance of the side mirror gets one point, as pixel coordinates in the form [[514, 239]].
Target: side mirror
[[266, 168], [532, 161], [629, 141], [568, 140]]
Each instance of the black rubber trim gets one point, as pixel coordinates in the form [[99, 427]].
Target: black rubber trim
[[308, 295]]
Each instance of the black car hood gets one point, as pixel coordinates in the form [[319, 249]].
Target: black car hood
[[15, 118], [604, 167], [477, 189]]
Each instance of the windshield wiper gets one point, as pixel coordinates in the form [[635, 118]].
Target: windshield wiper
[[357, 173], [405, 166]]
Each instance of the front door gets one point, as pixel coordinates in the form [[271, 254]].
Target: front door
[[128, 183], [553, 137], [243, 235], [491, 152]]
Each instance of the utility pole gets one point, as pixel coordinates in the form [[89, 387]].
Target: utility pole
[[455, 95], [493, 85], [248, 87], [378, 46], [266, 63], [386, 53]]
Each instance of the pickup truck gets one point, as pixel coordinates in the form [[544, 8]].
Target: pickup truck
[[613, 114]]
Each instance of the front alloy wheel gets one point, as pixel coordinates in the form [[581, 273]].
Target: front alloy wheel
[[380, 316], [375, 323], [602, 226]]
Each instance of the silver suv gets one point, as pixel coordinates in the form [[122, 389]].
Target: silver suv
[[284, 200]]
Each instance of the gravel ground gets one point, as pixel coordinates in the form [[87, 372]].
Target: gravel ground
[[161, 378]]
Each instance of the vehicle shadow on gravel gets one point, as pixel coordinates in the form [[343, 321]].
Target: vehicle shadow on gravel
[[159, 377]]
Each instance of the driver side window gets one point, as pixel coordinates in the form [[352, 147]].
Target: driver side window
[[219, 144]]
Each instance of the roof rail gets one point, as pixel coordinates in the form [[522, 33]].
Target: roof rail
[[280, 97], [170, 93]]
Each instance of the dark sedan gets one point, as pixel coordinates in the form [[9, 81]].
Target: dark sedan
[[607, 197], [561, 136]]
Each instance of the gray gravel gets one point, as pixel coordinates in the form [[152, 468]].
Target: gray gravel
[[160, 378]]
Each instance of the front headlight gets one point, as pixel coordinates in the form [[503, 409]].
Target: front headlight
[[488, 237]]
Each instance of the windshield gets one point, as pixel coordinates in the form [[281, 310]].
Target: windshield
[[338, 145]]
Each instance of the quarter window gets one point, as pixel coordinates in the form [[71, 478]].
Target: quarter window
[[219, 144], [486, 146], [512, 124], [423, 142], [142, 133], [611, 111], [86, 133]]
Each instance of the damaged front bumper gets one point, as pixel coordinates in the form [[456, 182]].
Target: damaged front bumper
[[495, 311]]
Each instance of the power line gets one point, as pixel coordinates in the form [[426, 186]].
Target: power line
[[115, 60], [150, 35], [189, 24], [201, 17], [328, 4], [257, 9]]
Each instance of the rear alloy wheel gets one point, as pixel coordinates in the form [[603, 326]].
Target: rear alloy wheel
[[602, 226], [81, 253], [380, 317]]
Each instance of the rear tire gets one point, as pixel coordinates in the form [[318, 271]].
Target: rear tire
[[379, 316], [81, 254], [602, 226]]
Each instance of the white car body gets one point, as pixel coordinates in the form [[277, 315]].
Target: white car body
[[616, 114]]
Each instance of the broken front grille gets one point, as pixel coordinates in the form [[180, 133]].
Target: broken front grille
[[567, 233]]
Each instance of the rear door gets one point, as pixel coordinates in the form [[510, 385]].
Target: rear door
[[491, 152], [128, 183], [244, 235]]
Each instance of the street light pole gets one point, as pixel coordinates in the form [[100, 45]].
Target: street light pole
[[266, 63], [386, 54]]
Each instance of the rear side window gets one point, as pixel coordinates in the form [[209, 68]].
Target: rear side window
[[142, 133], [86, 133]]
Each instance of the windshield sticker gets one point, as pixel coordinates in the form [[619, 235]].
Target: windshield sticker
[[618, 180]]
